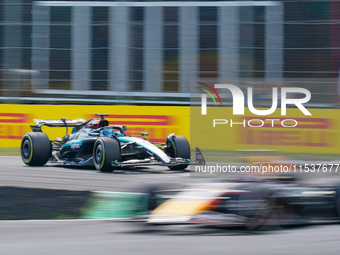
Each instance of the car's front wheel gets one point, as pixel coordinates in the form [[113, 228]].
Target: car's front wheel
[[106, 150], [179, 147]]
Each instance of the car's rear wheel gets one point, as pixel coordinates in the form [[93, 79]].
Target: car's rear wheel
[[106, 150], [179, 148], [263, 208], [35, 149], [337, 201]]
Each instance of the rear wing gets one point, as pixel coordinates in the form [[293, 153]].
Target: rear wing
[[59, 123]]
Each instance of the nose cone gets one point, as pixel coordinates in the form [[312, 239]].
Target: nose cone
[[181, 208]]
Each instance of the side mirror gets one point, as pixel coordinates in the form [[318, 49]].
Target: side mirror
[[144, 134], [125, 128]]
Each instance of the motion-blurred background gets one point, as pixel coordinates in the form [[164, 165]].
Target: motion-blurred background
[[97, 51]]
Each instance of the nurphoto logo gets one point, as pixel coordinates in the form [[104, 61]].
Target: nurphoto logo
[[238, 104]]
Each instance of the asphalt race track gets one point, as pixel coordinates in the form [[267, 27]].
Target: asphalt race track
[[105, 237], [108, 237], [15, 173]]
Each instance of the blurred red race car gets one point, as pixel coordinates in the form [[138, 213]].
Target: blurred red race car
[[249, 202]]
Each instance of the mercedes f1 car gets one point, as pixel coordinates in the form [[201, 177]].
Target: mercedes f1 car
[[250, 203], [94, 142]]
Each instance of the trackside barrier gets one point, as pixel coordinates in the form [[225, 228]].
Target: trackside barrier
[[158, 121], [319, 133], [293, 133]]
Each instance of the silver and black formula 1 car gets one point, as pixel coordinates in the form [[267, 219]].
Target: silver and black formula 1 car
[[94, 142]]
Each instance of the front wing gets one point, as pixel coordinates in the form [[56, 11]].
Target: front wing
[[173, 161]]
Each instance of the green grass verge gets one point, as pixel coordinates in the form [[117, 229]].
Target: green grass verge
[[9, 151]]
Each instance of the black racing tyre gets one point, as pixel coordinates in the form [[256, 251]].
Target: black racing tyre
[[263, 208], [180, 148], [105, 151], [35, 149], [337, 202]]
